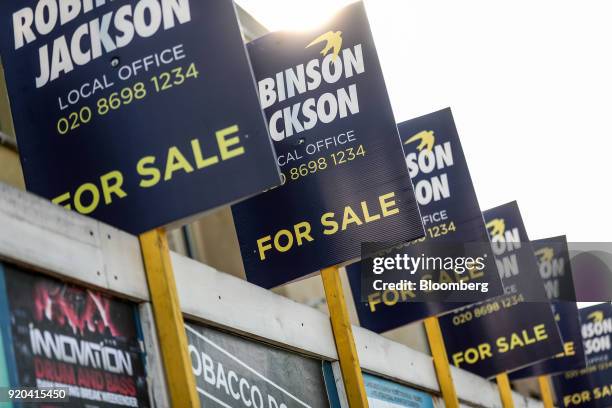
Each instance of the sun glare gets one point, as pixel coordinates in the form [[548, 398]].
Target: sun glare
[[292, 15]]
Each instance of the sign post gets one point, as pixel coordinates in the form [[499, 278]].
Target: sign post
[[505, 392], [344, 176], [434, 157], [170, 324], [495, 324], [343, 337], [438, 351], [453, 222], [547, 398]]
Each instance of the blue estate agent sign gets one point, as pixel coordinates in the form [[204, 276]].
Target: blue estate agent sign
[[555, 267], [450, 214], [572, 357], [596, 329], [138, 113], [345, 178], [590, 386], [516, 329], [555, 270]]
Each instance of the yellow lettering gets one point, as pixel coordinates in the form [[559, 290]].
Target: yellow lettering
[[349, 218], [153, 174], [109, 189], [472, 354], [263, 247], [568, 348], [366, 214], [302, 231], [475, 273], [60, 199], [373, 300], [277, 237], [176, 161], [502, 345], [200, 161], [386, 204], [95, 198], [225, 144], [576, 398], [445, 277], [540, 333], [327, 220]]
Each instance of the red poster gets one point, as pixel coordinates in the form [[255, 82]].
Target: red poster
[[66, 336]]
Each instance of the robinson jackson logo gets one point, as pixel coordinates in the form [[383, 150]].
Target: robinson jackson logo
[[428, 158], [496, 226], [340, 66], [596, 316], [427, 139], [332, 39], [596, 336], [503, 243], [64, 49], [545, 254], [552, 270]]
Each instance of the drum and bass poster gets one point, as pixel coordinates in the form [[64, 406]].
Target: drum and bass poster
[[57, 335]]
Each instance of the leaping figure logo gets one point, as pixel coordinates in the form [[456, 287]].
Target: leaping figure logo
[[497, 226], [333, 41], [546, 254], [596, 316], [426, 137]]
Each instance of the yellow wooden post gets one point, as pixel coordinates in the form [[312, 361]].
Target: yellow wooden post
[[440, 359], [547, 397], [168, 319], [343, 336], [6, 119], [505, 391]]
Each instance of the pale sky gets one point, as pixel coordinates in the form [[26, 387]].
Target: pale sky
[[530, 85]]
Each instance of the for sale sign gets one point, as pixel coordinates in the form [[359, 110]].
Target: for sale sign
[[453, 226], [511, 331], [344, 176], [138, 113], [556, 272], [590, 387]]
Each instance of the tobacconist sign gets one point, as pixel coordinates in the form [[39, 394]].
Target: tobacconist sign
[[232, 371], [138, 113], [344, 176]]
